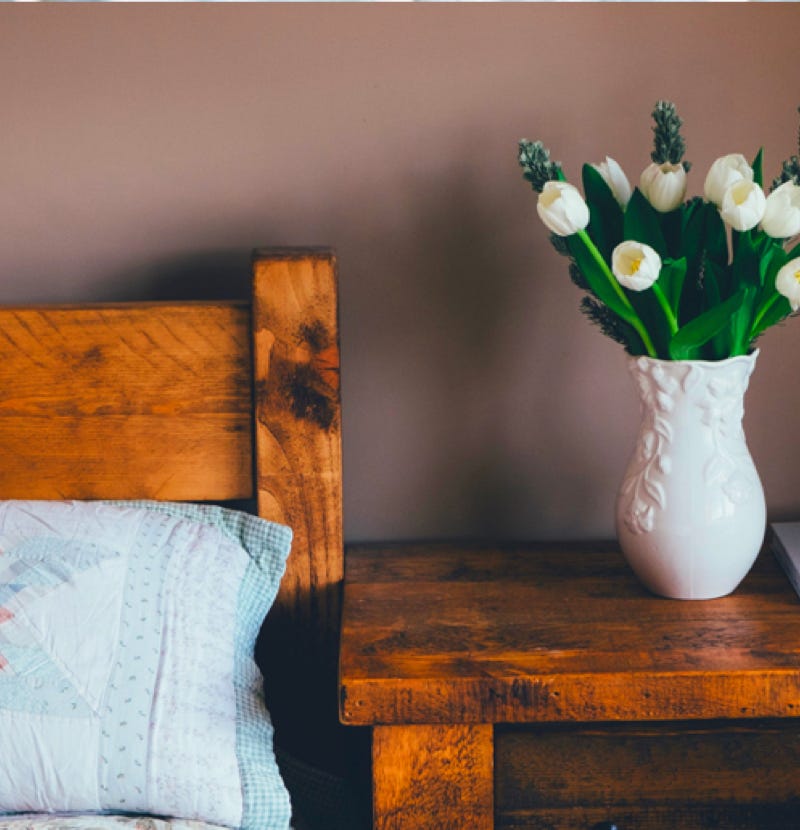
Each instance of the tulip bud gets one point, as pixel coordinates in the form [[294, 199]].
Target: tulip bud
[[782, 212], [788, 282], [616, 180], [635, 265], [664, 185], [743, 205], [724, 172], [562, 209]]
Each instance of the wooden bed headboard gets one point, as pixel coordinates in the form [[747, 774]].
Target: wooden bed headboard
[[201, 401]]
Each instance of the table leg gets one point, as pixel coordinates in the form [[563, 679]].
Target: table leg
[[433, 777]]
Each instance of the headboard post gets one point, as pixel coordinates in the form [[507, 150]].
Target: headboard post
[[299, 483]]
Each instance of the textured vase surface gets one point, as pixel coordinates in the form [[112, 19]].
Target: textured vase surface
[[690, 513]]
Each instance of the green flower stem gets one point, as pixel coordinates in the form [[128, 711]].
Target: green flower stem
[[634, 320], [662, 301], [761, 312]]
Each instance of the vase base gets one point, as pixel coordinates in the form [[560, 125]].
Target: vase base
[[680, 578], [686, 597]]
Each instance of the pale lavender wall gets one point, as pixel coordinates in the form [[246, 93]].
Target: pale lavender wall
[[145, 149]]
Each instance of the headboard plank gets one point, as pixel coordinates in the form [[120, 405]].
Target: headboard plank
[[126, 401], [299, 479], [155, 400]]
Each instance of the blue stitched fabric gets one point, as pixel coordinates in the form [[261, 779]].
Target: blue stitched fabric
[[268, 544], [127, 631]]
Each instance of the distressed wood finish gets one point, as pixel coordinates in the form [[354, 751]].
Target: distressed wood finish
[[126, 401], [299, 483], [599, 701], [659, 777], [433, 778], [444, 634]]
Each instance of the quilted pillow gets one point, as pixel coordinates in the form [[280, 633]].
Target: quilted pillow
[[127, 679]]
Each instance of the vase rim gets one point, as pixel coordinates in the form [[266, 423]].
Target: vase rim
[[750, 357]]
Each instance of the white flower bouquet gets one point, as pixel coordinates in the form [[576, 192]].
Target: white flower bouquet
[[671, 278]]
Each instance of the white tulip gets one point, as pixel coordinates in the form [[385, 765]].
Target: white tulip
[[788, 282], [664, 185], [635, 265], [724, 172], [614, 176], [782, 212], [743, 205], [562, 208]]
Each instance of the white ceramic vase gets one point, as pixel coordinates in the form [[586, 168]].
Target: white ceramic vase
[[690, 513]]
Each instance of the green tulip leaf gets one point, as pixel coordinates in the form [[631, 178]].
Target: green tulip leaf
[[671, 280], [650, 312], [686, 343], [693, 243], [741, 323], [763, 241], [692, 247], [795, 252], [770, 262], [642, 224], [770, 307], [774, 313], [693, 219], [746, 265], [703, 234], [672, 229], [605, 214], [596, 278], [758, 168], [716, 237], [715, 279], [689, 210]]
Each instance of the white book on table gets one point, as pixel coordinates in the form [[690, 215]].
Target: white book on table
[[786, 547]]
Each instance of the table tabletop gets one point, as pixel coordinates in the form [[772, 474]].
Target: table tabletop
[[445, 633]]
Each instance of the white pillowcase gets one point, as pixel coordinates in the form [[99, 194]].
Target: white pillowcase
[[127, 679]]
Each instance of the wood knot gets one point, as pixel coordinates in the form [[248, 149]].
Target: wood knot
[[308, 396], [311, 383], [315, 335]]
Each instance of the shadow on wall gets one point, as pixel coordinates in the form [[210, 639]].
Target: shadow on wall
[[210, 275], [479, 402], [463, 400], [449, 305], [433, 361], [472, 283]]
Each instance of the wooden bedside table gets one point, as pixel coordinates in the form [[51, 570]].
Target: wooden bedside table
[[541, 686]]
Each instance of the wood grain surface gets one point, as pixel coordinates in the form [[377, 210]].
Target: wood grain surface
[[433, 778], [299, 483], [737, 776], [468, 634], [598, 701], [127, 401]]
